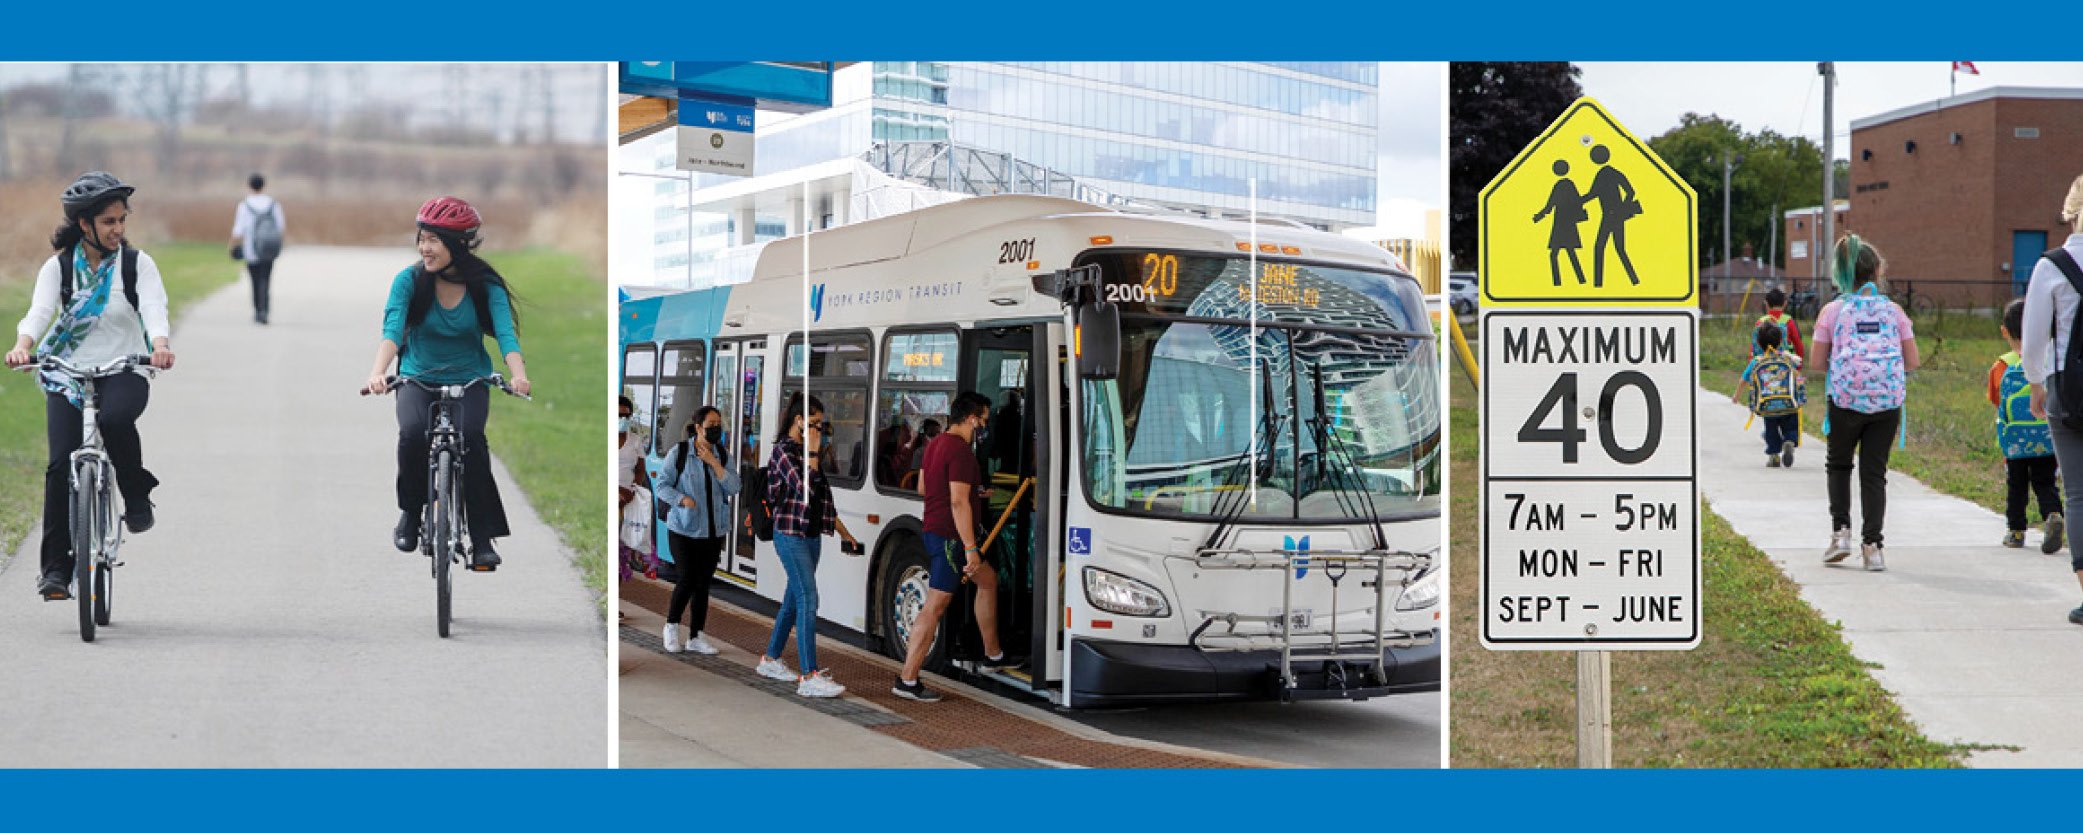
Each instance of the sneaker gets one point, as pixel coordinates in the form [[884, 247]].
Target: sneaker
[[915, 691], [772, 669], [138, 517], [2055, 533], [483, 558], [1786, 457], [1002, 663], [1771, 461], [818, 684], [406, 535], [700, 645], [2076, 616], [672, 639], [53, 587], [2014, 539], [1840, 546], [1871, 554]]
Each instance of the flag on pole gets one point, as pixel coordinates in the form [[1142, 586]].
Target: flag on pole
[[1966, 66]]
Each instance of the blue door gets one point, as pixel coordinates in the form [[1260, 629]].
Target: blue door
[[2026, 248]]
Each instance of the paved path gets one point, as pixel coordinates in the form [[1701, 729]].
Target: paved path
[[267, 621], [1971, 637]]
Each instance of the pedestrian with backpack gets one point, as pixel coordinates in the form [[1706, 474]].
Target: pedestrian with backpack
[[1777, 317], [2053, 356], [801, 505], [256, 238], [2028, 448], [1777, 392], [1868, 347], [96, 301], [694, 488]]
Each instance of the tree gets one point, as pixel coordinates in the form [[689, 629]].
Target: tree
[[1495, 110], [1775, 171]]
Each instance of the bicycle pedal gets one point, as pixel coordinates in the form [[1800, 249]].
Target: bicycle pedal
[[480, 568]]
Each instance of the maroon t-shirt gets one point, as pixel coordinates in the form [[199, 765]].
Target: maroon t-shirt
[[948, 460]]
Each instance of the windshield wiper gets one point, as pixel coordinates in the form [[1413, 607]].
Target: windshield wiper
[[1327, 442], [1269, 425]]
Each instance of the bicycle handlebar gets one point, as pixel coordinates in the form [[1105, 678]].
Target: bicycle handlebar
[[391, 383], [111, 368]]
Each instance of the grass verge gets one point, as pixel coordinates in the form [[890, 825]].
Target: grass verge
[[190, 270], [556, 445], [1771, 685]]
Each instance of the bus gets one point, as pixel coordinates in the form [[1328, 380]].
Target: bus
[[1213, 450]]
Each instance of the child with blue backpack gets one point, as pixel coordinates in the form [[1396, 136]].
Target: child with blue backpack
[[2028, 447], [1777, 392]]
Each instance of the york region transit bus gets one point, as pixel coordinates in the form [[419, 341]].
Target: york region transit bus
[[1213, 450]]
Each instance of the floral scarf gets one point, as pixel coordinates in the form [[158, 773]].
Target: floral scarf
[[90, 298]]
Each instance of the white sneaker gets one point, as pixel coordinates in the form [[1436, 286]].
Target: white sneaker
[[772, 669], [819, 685], [701, 646], [1871, 552], [1840, 546], [672, 639]]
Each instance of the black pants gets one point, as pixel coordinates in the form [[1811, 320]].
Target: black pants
[[1871, 437], [2034, 472], [694, 562], [260, 271], [123, 400], [482, 509]]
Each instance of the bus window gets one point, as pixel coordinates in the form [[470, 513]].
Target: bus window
[[639, 367], [680, 389], [725, 394], [839, 367], [918, 386]]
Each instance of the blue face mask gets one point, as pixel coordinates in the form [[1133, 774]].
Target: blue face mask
[[622, 425]]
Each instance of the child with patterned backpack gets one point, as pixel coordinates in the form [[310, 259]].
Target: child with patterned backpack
[[2027, 444], [1777, 392], [1868, 346]]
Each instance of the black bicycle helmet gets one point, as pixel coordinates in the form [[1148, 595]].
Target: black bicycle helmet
[[93, 188]]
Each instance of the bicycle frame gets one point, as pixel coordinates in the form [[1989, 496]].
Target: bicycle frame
[[444, 437], [91, 452]]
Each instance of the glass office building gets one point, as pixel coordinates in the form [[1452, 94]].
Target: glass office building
[[1190, 136]]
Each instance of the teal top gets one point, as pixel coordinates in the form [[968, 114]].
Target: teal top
[[448, 347]]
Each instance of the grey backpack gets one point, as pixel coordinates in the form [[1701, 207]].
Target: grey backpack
[[267, 235]]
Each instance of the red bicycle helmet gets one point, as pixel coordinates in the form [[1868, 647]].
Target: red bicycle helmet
[[451, 215]]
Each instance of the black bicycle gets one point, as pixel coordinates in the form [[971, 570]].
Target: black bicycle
[[97, 533], [444, 525]]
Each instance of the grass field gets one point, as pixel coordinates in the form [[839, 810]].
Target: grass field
[[1771, 685], [556, 445], [190, 270], [1952, 434]]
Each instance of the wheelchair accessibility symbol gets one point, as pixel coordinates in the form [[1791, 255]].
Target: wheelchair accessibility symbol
[[1080, 540]]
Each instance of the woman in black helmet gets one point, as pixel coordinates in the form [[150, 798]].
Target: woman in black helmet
[[96, 301]]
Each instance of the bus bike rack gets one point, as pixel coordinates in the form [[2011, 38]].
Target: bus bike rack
[[1281, 635]]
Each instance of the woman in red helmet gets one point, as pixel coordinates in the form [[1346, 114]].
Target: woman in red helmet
[[434, 326]]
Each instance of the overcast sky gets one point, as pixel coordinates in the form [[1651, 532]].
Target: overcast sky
[[1788, 97], [1411, 177]]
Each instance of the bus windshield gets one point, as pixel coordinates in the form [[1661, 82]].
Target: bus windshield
[[1174, 434]]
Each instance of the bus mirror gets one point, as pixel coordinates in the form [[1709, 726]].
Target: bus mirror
[[1097, 340]]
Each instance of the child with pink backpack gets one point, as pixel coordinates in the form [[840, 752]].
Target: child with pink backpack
[[1866, 344]]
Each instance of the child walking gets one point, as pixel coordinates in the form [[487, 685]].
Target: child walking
[[2028, 447], [1777, 392], [1789, 330]]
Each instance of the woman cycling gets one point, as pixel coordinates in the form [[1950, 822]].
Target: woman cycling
[[803, 514], [434, 325], [1869, 347], [108, 302]]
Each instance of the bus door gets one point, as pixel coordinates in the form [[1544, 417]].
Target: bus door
[[1051, 421], [997, 363], [737, 394]]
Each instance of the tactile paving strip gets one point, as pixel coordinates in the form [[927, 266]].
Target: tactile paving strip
[[852, 711], [956, 724]]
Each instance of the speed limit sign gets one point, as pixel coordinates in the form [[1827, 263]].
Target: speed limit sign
[[1590, 504]]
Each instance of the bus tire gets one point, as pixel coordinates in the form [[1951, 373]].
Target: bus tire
[[900, 592]]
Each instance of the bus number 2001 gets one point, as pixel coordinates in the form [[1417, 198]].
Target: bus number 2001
[[1016, 251]]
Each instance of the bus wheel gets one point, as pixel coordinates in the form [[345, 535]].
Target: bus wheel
[[902, 588]]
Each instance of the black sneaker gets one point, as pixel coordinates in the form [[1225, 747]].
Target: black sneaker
[[915, 691], [2076, 616], [53, 587], [138, 518], [2056, 529], [1003, 663], [483, 558], [406, 535]]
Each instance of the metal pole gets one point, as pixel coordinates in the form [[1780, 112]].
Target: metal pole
[[1728, 255], [1594, 710], [1772, 252], [1829, 71]]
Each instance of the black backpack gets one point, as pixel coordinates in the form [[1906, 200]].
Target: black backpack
[[129, 262], [2070, 388], [759, 517]]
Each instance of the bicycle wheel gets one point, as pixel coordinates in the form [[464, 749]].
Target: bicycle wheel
[[86, 543], [104, 568], [444, 546]]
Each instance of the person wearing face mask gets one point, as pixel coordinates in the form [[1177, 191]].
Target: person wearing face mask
[[440, 310], [698, 486], [950, 481], [96, 300], [801, 501]]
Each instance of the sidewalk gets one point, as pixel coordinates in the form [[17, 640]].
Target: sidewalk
[[1971, 637]]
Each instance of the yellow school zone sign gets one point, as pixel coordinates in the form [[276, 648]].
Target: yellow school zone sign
[[1587, 214]]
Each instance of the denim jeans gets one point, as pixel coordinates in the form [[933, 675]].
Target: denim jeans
[[799, 604], [1781, 429]]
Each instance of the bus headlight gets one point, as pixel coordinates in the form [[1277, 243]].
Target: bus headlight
[[1115, 593], [1420, 595]]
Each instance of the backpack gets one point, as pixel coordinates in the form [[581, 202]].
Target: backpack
[[1866, 369], [1776, 386], [2069, 380], [664, 508], [2018, 433], [129, 270], [267, 234], [1776, 321], [759, 515]]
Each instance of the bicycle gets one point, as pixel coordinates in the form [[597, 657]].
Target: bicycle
[[97, 533], [444, 526]]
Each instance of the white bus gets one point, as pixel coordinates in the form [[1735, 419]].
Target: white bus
[[1170, 526]]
